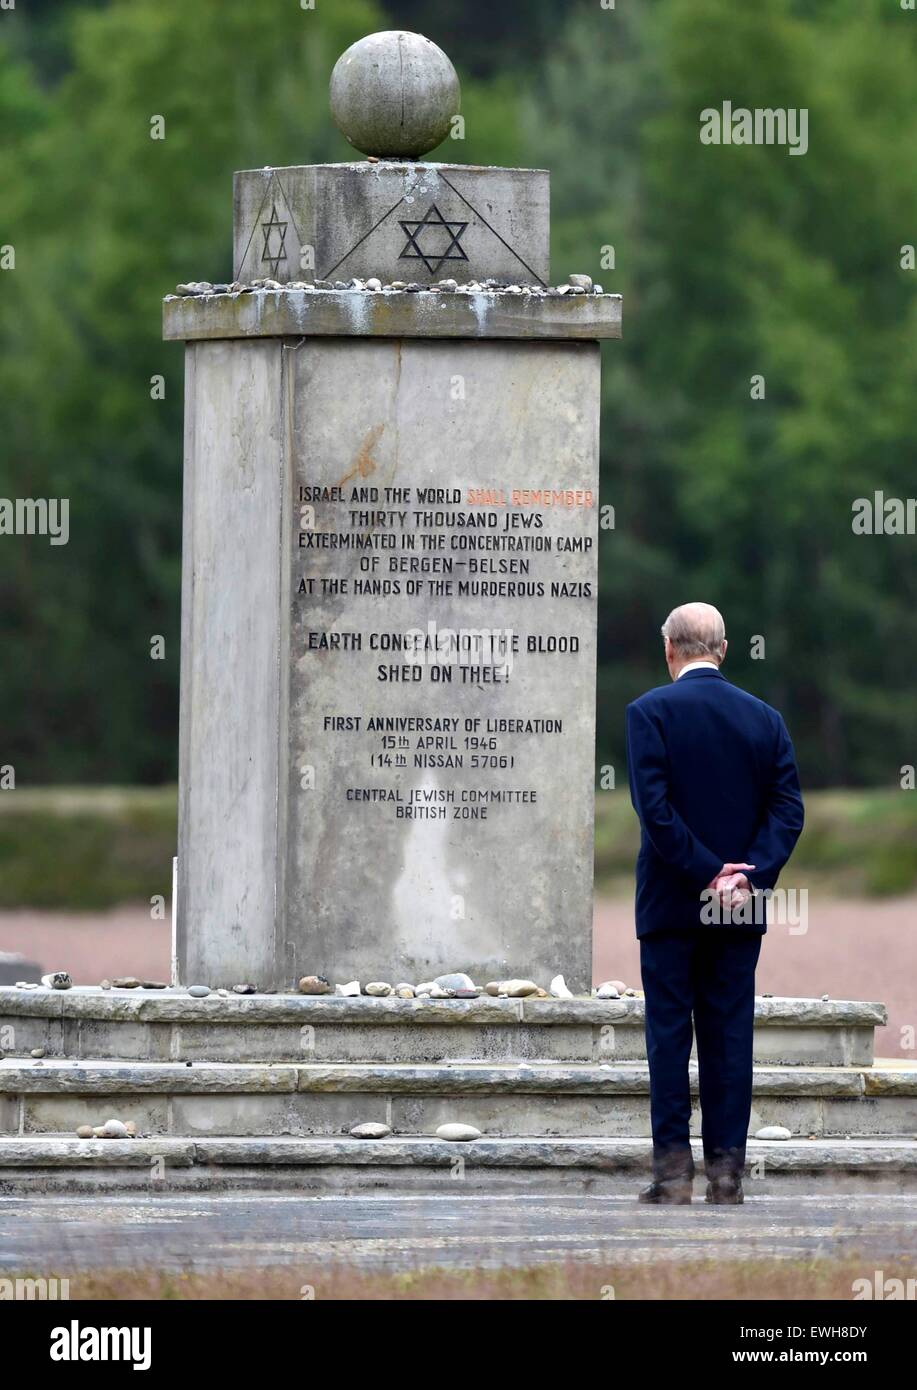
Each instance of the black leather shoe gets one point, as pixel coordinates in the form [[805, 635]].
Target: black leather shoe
[[725, 1191], [670, 1192]]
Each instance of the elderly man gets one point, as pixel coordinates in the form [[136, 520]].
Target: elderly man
[[713, 779]]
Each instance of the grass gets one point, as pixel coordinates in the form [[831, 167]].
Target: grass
[[772, 1279], [86, 848], [95, 847]]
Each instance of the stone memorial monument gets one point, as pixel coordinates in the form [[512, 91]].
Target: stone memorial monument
[[389, 572], [387, 734]]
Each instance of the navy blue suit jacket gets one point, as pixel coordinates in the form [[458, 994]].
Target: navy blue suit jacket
[[713, 779]]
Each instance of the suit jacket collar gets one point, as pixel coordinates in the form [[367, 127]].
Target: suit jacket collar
[[701, 673]]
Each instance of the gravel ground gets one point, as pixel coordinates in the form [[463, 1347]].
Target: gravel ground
[[852, 950]]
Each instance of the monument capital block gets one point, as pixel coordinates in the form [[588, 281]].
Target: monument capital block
[[415, 223]]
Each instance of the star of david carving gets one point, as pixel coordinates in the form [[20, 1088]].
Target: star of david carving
[[440, 240], [274, 247]]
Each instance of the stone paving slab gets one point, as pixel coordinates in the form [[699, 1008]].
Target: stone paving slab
[[572, 1100], [162, 1026], [899, 1154], [417, 1043], [171, 1005], [69, 1152], [899, 1079], [159, 1026], [632, 1078], [334, 1114], [108, 1078]]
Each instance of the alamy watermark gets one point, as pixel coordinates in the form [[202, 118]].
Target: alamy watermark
[[762, 125], [884, 516], [788, 907], [76, 1342], [36, 516], [22, 1290], [883, 1289]]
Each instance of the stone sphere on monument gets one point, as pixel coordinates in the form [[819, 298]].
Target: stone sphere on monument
[[393, 95]]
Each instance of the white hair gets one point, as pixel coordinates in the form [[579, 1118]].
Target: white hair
[[696, 630]]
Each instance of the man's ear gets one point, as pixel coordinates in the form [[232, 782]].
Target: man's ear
[[723, 651]]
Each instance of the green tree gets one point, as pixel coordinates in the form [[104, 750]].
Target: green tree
[[105, 220], [737, 262]]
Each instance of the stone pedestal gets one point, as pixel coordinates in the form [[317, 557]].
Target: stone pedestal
[[388, 665]]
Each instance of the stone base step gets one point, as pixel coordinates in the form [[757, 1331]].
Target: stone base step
[[346, 1165], [576, 1100], [168, 1025]]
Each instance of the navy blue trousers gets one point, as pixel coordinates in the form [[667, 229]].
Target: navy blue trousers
[[706, 974]]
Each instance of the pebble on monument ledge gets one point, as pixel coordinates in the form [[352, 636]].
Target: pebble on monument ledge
[[454, 985], [112, 1129], [458, 1133], [371, 1130], [314, 984], [202, 289], [58, 979]]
